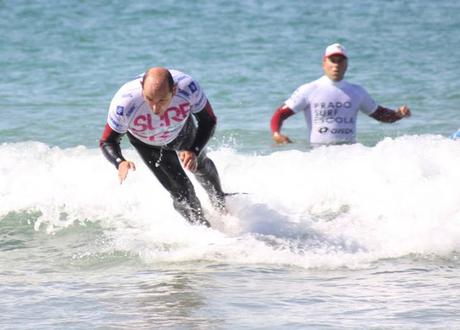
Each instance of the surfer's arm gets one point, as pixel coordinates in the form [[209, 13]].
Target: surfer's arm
[[110, 146], [386, 115], [280, 115], [206, 125]]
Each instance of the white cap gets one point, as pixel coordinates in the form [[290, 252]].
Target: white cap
[[335, 49]]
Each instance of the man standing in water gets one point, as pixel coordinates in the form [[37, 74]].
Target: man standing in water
[[331, 104], [154, 110]]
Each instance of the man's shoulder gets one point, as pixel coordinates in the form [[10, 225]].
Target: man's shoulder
[[180, 78], [127, 97], [185, 83], [353, 86], [309, 86], [130, 90]]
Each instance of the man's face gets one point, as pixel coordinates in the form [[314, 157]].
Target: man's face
[[335, 66], [157, 97]]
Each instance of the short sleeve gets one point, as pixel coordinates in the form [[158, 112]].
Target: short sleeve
[[298, 100], [117, 118], [368, 105], [197, 96]]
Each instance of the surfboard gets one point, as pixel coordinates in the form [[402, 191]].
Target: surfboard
[[456, 135]]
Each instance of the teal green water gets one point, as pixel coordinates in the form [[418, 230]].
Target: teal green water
[[347, 237], [63, 61]]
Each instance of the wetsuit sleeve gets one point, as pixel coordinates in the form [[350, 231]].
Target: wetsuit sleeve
[[110, 146], [385, 115], [206, 125], [281, 114]]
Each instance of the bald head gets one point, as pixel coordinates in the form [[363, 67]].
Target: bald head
[[156, 78], [158, 88]]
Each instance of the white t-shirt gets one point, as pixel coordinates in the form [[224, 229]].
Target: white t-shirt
[[129, 112], [331, 109]]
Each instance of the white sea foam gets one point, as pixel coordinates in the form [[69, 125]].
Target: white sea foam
[[330, 207]]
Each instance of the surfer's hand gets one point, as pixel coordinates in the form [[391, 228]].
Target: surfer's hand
[[403, 111], [123, 169], [188, 159], [280, 138]]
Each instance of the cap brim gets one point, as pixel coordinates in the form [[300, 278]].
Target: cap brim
[[336, 53]]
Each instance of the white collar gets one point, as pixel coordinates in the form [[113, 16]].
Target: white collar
[[325, 79]]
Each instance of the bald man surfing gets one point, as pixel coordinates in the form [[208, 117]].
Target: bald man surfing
[[154, 111]]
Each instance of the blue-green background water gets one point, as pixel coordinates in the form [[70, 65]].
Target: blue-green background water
[[363, 236], [64, 60]]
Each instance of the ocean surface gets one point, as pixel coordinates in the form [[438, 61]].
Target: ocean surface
[[363, 236]]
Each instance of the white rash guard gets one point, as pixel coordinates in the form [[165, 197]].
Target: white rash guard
[[331, 109], [129, 112]]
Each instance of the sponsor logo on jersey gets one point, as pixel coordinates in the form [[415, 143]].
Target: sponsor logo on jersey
[[179, 113], [332, 105], [183, 93], [120, 110], [160, 127], [192, 87], [130, 111], [324, 130], [332, 115], [114, 122], [331, 120], [177, 80]]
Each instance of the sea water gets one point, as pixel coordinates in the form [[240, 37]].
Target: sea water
[[363, 236]]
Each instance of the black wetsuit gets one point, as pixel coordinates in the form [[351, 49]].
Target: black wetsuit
[[165, 164]]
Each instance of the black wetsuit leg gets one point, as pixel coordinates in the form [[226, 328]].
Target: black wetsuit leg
[[166, 166], [206, 173]]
